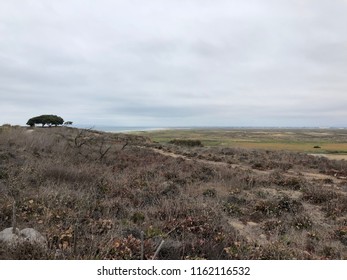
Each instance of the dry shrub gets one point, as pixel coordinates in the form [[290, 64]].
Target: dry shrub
[[63, 173], [275, 226], [341, 234], [289, 182], [289, 205], [209, 193], [318, 194], [277, 207], [24, 251], [232, 210], [204, 174], [94, 205], [276, 251], [128, 248], [5, 213], [186, 142], [330, 252], [301, 222], [336, 207]]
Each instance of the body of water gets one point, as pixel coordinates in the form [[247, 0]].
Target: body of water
[[106, 128], [122, 128]]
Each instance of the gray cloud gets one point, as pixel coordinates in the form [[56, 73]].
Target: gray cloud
[[174, 63]]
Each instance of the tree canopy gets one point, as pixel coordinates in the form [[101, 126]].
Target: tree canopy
[[46, 119]]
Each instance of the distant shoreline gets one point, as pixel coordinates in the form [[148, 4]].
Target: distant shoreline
[[121, 129], [124, 129]]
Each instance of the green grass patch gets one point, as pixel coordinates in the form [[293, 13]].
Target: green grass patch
[[329, 141]]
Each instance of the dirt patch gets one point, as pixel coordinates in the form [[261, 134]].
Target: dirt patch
[[211, 162], [331, 156], [250, 230]]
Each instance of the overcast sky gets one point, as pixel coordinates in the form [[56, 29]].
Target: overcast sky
[[175, 62]]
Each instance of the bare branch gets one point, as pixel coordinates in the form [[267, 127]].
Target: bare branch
[[158, 249]]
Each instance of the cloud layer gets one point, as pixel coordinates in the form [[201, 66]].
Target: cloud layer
[[175, 63]]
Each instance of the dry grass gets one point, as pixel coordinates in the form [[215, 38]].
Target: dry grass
[[92, 194]]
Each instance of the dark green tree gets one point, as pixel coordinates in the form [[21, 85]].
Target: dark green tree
[[46, 119]]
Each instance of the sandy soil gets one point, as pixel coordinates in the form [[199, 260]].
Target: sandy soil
[[331, 156]]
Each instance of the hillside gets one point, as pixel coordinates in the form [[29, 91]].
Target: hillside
[[95, 195]]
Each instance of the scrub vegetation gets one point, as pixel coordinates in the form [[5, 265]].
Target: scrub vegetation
[[100, 195]]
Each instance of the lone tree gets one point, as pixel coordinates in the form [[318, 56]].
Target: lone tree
[[46, 119]]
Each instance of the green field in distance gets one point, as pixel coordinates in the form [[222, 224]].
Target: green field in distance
[[318, 141]]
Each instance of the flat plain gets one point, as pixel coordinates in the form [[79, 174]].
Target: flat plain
[[317, 141]]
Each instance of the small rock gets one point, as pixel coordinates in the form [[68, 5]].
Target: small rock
[[33, 236], [25, 235], [7, 236]]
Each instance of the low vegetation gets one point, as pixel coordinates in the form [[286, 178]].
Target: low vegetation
[[100, 195], [186, 142]]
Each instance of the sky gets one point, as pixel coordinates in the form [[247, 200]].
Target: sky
[[169, 63]]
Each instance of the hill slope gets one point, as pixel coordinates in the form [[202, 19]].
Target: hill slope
[[94, 194]]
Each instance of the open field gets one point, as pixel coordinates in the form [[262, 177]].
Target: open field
[[94, 195], [298, 140]]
